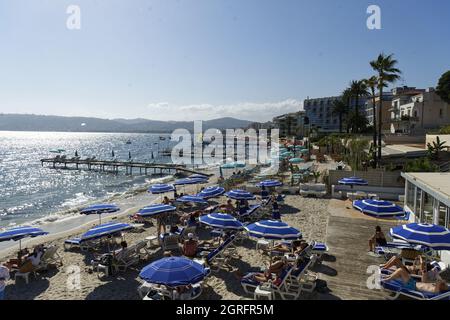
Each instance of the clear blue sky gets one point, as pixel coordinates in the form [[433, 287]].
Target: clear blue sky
[[199, 59]]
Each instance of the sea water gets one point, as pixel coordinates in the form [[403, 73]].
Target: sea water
[[30, 192]]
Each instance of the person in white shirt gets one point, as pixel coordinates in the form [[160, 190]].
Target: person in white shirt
[[4, 276]]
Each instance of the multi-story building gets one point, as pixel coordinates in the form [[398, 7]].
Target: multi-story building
[[292, 124], [414, 111], [385, 111], [321, 115]]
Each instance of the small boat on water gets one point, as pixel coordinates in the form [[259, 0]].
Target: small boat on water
[[162, 138], [128, 142]]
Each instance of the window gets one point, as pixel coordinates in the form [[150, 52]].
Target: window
[[441, 114], [443, 219], [428, 203], [410, 193]]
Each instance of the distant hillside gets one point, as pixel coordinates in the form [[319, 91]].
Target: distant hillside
[[26, 122]]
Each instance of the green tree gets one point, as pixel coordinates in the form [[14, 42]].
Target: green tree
[[443, 87], [358, 88], [340, 109], [347, 98], [385, 66], [436, 148], [356, 153]]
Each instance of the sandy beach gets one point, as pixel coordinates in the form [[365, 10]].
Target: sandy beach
[[307, 214]]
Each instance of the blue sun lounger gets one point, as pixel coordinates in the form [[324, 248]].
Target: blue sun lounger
[[398, 288]]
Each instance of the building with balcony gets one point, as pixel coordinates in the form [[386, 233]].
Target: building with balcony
[[385, 111], [415, 111], [292, 124], [320, 112]]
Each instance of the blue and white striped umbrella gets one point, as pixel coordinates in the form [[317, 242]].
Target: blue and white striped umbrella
[[353, 181], [193, 199], [181, 182], [273, 230], [379, 208], [270, 183], [211, 192], [19, 233], [100, 208], [173, 272], [155, 209], [198, 176], [161, 188], [430, 235], [105, 230], [221, 221], [240, 195]]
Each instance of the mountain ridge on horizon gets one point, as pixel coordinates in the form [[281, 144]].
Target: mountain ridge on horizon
[[33, 122]]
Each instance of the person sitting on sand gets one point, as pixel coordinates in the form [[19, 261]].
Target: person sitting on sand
[[190, 246], [378, 239], [410, 283]]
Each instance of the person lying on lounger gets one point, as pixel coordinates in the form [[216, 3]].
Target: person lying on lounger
[[276, 268], [415, 269], [410, 283], [378, 239], [297, 247]]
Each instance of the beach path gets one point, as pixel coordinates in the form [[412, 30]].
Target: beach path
[[347, 237]]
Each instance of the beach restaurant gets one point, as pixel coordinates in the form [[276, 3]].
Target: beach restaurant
[[427, 199]]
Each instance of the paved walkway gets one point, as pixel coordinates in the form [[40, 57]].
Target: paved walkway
[[345, 271]]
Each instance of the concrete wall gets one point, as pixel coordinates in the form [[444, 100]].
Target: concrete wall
[[397, 139], [374, 178], [384, 193]]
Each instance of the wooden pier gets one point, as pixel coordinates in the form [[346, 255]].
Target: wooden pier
[[113, 166]]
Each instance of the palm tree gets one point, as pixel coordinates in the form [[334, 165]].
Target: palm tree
[[358, 88], [387, 73], [340, 108], [347, 98], [371, 83]]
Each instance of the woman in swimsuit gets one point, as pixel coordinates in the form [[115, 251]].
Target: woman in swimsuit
[[378, 239]]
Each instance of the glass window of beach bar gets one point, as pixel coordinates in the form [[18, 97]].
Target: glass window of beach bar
[[427, 207]]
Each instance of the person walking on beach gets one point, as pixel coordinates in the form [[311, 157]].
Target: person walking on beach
[[4, 277]]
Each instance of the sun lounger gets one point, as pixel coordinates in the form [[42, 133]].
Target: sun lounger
[[301, 278], [397, 288], [281, 287], [49, 257], [219, 257], [249, 212]]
